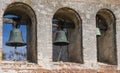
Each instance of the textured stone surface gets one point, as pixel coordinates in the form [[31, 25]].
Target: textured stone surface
[[25, 67], [44, 10]]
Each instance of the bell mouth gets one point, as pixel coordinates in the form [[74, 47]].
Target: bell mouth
[[61, 43], [13, 44]]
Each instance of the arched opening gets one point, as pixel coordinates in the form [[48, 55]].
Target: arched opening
[[68, 19], [27, 18], [106, 40]]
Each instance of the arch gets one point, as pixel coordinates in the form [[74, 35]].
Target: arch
[[28, 18], [73, 24], [106, 42]]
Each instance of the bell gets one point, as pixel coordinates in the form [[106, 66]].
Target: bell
[[61, 39], [15, 38], [98, 31]]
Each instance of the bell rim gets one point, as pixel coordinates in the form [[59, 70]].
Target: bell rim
[[18, 44], [61, 43]]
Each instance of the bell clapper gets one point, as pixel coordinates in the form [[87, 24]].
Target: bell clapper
[[14, 56], [60, 52]]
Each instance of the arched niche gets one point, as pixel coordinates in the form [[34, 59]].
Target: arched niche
[[106, 42], [73, 23], [28, 18]]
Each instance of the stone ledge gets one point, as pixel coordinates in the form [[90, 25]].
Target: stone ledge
[[66, 67]]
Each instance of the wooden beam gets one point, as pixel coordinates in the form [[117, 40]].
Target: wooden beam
[[8, 21], [11, 21], [55, 25]]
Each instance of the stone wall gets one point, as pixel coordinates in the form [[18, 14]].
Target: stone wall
[[87, 10], [24, 67]]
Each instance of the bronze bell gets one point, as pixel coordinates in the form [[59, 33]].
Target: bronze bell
[[15, 38], [98, 32], [61, 39]]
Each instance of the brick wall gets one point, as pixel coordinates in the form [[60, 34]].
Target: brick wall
[[25, 67]]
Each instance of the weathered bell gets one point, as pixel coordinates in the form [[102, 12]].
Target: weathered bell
[[98, 31], [15, 38], [61, 39]]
